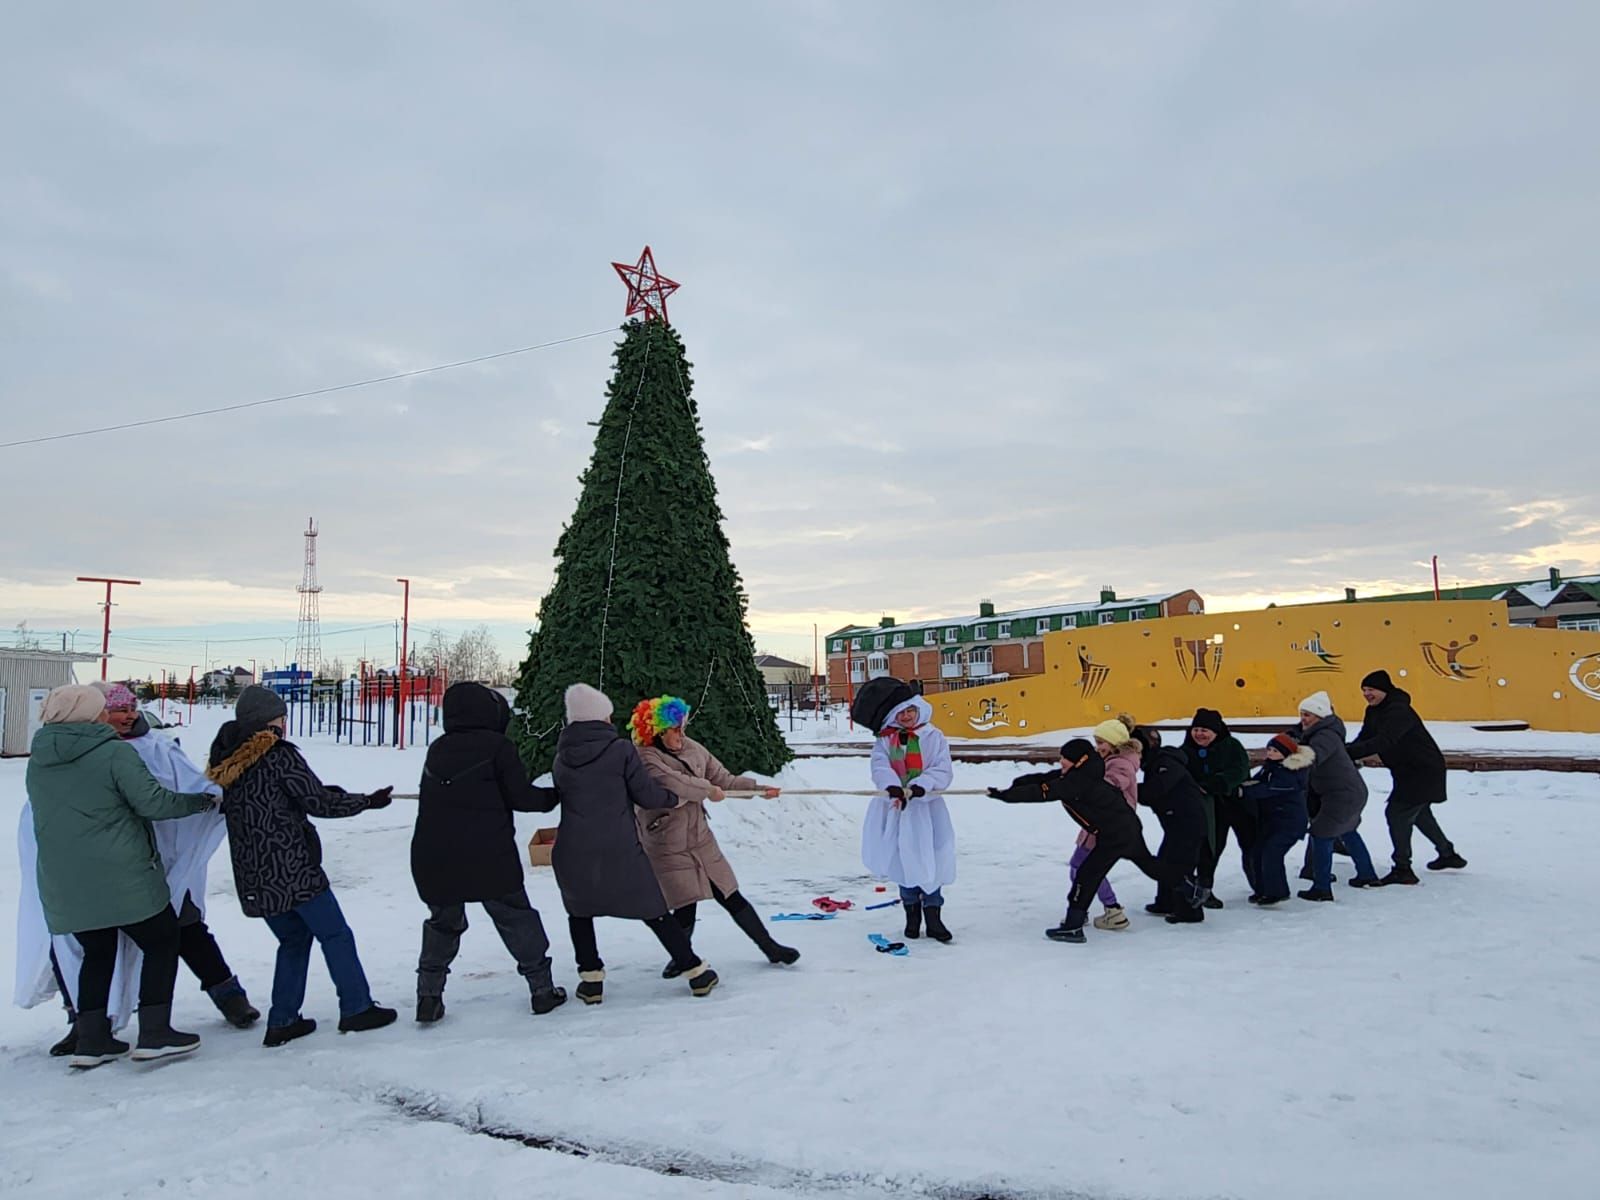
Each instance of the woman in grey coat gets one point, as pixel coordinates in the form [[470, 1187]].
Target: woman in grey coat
[[600, 866], [1343, 793]]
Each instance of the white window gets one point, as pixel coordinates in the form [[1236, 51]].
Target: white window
[[980, 662], [1005, 629], [1043, 626], [1581, 624], [855, 643], [981, 633], [899, 641], [1108, 618], [930, 638], [950, 635], [877, 642], [877, 665], [838, 646], [1069, 620]]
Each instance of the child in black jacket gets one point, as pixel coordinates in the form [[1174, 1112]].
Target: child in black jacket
[[1097, 806], [1279, 793]]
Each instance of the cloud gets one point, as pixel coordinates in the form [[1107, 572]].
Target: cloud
[[1264, 304]]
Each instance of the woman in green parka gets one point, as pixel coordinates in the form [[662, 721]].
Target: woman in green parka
[[98, 870]]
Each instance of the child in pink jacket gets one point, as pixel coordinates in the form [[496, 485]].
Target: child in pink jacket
[[1115, 742]]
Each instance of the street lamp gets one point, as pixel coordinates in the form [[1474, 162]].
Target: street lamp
[[405, 633]]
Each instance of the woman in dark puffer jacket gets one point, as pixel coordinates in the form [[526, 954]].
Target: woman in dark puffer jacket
[[268, 794]]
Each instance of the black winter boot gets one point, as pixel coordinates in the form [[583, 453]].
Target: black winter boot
[[430, 1009], [1401, 875], [1070, 929], [913, 920], [750, 921], [157, 1037], [1448, 862], [701, 980], [231, 1001], [1319, 895], [373, 1017], [592, 986], [94, 1045], [934, 918], [279, 1035], [67, 1044], [543, 994], [1186, 915]]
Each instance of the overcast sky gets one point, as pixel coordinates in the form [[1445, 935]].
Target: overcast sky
[[1004, 301]]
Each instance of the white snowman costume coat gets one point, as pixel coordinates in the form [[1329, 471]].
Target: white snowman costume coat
[[914, 846], [185, 845]]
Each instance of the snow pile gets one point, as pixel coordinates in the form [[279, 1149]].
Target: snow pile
[[1431, 1041]]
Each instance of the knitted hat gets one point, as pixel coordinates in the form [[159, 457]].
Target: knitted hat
[[1283, 744], [585, 703], [1209, 718], [1078, 749], [1317, 704], [72, 704], [651, 717], [259, 706], [1379, 680], [118, 696], [1113, 732]]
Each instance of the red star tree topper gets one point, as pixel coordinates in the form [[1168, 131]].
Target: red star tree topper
[[647, 290]]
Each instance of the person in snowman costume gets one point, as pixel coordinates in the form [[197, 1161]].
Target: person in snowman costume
[[908, 837]]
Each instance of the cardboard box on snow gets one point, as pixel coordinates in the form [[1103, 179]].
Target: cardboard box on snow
[[539, 847]]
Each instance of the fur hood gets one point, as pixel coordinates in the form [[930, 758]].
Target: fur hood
[[232, 768], [1301, 759]]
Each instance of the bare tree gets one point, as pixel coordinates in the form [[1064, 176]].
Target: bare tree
[[475, 657]]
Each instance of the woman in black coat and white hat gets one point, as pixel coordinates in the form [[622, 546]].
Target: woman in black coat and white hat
[[600, 866]]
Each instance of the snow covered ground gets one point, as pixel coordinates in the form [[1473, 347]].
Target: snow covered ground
[[1434, 1041]]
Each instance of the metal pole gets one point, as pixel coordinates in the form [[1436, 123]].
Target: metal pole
[[105, 635], [405, 632], [1435, 576], [191, 695]]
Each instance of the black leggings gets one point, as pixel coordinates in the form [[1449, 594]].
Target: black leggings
[[733, 905], [157, 936], [668, 932]]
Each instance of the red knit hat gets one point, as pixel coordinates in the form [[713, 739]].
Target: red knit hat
[[1283, 744]]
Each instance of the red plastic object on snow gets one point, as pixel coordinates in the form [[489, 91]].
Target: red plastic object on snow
[[829, 905]]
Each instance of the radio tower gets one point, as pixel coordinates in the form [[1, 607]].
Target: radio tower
[[308, 639]]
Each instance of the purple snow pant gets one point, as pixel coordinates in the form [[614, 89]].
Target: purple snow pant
[[1106, 895]]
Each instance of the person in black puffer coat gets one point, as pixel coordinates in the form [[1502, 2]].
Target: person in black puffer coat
[[600, 865], [1220, 764], [1172, 794], [268, 794], [1392, 731], [464, 847], [1101, 809]]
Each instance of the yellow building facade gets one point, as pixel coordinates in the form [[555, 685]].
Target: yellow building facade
[[1461, 660]]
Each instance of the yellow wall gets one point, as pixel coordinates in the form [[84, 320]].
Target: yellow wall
[[1461, 660]]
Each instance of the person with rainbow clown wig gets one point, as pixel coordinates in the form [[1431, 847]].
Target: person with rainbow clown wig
[[689, 864], [908, 837]]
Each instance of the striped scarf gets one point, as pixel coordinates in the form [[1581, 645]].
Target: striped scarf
[[905, 752]]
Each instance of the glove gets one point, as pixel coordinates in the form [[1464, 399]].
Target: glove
[[381, 798], [918, 790], [897, 793], [994, 793]]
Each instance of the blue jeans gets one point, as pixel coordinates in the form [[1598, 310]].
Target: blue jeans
[[933, 899], [1322, 859], [319, 918]]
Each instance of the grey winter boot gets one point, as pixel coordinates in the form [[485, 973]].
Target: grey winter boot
[[94, 1045], [231, 1001], [545, 996], [157, 1037]]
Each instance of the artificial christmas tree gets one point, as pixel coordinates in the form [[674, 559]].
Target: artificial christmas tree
[[646, 600]]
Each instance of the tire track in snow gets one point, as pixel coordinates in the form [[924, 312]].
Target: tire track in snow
[[423, 1106]]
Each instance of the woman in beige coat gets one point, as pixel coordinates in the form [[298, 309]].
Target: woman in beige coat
[[684, 852]]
